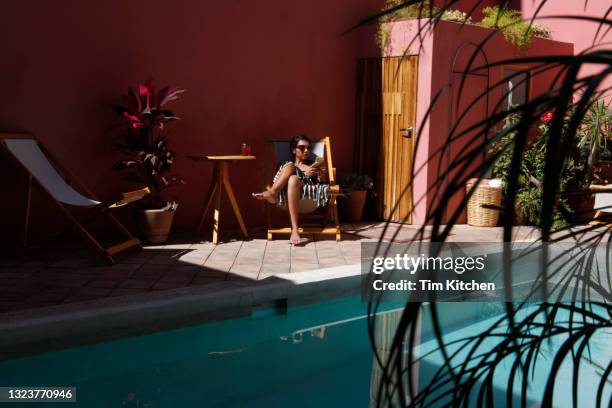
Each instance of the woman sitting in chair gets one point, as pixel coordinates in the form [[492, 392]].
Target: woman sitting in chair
[[303, 178]]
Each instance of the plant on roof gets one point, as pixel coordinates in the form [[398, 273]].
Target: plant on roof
[[409, 12], [147, 159], [414, 11], [515, 30]]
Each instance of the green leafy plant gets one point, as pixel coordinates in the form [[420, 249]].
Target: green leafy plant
[[593, 147], [533, 164], [357, 182], [144, 140], [457, 16], [515, 30], [409, 12]]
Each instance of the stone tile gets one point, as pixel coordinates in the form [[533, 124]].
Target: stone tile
[[111, 274], [10, 282], [74, 263], [200, 281], [178, 246], [127, 291], [162, 260], [61, 278], [151, 271], [140, 283], [163, 285], [93, 291], [220, 265], [79, 298], [4, 306], [274, 268], [11, 297], [103, 283], [91, 270], [211, 274], [194, 258], [249, 273], [28, 305], [18, 272], [178, 276], [300, 267], [124, 267], [133, 258], [49, 296]]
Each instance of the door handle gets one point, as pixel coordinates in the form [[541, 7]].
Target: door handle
[[408, 130]]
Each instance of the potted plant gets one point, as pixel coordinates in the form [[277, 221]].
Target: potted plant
[[355, 187], [528, 205], [146, 156], [592, 156]]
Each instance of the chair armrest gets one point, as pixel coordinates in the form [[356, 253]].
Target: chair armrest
[[129, 197], [335, 190], [599, 187]]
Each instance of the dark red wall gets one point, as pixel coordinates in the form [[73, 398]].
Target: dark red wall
[[251, 70]]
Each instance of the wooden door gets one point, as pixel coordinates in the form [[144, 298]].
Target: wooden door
[[386, 116]]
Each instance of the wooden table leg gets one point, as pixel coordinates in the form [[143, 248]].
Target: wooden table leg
[[214, 185], [232, 198], [217, 207]]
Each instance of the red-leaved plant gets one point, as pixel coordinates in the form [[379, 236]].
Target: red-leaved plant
[[144, 141]]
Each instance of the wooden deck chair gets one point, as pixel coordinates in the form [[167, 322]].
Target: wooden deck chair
[[281, 154], [48, 172], [603, 203]]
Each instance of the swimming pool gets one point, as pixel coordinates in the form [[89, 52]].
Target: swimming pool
[[313, 355]]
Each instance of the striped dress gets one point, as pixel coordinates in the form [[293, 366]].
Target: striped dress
[[311, 188]]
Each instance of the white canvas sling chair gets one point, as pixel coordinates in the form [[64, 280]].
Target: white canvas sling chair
[[281, 154], [42, 167], [603, 203]]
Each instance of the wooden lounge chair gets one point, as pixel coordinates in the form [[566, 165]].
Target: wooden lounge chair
[[603, 203], [53, 178], [281, 154]]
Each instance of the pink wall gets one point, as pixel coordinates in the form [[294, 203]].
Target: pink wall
[[252, 71], [583, 34]]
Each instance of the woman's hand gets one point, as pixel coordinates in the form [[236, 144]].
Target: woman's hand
[[310, 171], [321, 175]]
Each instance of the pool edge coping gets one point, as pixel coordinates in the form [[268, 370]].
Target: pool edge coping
[[40, 330]]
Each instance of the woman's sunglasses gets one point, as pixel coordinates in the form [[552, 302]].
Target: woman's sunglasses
[[303, 147]]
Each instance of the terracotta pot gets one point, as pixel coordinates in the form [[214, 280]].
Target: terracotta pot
[[155, 225], [582, 206], [352, 206]]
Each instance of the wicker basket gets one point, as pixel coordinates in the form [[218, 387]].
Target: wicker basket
[[484, 195]]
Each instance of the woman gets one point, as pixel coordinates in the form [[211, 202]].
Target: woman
[[301, 178]]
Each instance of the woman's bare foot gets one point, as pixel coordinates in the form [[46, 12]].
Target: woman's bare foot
[[267, 195], [295, 238]]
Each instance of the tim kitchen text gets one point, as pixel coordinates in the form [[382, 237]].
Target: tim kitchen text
[[426, 284]]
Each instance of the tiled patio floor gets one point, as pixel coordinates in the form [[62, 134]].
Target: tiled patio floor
[[67, 274]]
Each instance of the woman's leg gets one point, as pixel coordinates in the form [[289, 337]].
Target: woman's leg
[[294, 185], [280, 183]]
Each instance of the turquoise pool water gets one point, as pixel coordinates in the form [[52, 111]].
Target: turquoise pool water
[[312, 356]]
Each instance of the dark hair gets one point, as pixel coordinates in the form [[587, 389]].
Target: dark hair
[[295, 140]]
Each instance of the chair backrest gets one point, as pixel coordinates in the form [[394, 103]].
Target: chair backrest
[[603, 201], [29, 154]]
